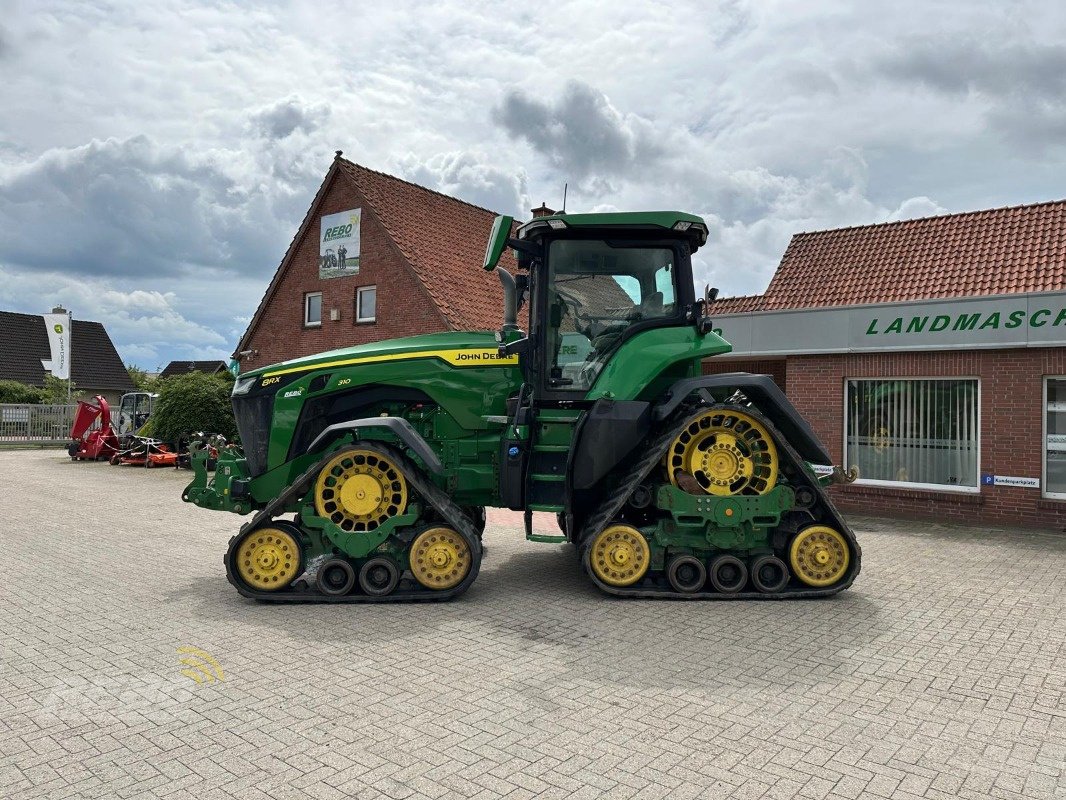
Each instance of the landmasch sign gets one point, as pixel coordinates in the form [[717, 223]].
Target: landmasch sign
[[1016, 320]]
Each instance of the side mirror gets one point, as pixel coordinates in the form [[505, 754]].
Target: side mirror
[[501, 231], [520, 348]]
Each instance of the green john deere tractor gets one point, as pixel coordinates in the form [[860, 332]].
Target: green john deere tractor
[[368, 469]]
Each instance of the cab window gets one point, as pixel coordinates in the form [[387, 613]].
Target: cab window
[[596, 292]]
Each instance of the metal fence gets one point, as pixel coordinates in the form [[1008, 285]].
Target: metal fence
[[36, 424]]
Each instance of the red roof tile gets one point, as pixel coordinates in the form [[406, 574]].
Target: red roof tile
[[998, 251], [736, 305]]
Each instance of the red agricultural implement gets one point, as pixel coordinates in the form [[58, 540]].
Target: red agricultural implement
[[141, 451], [96, 444]]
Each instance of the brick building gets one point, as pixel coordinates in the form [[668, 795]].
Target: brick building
[[392, 259], [930, 354]]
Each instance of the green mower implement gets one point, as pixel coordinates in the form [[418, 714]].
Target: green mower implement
[[367, 470]]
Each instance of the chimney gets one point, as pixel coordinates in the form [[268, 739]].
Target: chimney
[[59, 310], [543, 211]]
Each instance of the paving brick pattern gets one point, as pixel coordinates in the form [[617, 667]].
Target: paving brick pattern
[[940, 675]]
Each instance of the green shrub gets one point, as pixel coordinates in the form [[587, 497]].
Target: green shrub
[[193, 402], [15, 392], [58, 391]]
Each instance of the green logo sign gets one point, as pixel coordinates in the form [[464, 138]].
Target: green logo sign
[[57, 328], [968, 322]]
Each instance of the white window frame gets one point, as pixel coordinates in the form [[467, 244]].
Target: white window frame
[[307, 308], [358, 303], [908, 485], [1043, 442]]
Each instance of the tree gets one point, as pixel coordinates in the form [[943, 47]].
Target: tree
[[59, 392], [15, 392], [142, 380], [192, 403]]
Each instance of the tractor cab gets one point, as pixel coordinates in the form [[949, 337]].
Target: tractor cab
[[598, 285], [134, 409], [595, 281]]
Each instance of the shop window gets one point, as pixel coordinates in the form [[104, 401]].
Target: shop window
[[313, 309], [366, 304], [920, 432], [1055, 437]]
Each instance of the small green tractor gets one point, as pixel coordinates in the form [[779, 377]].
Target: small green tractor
[[368, 469]]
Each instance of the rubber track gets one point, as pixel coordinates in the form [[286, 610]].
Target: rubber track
[[656, 449], [416, 592]]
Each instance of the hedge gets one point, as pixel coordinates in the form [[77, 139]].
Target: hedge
[[15, 392], [191, 403]]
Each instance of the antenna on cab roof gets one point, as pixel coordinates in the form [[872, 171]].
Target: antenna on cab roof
[[565, 185]]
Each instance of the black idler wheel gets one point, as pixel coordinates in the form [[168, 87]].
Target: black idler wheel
[[769, 574], [336, 577], [641, 497], [379, 576], [686, 574], [727, 574], [805, 497]]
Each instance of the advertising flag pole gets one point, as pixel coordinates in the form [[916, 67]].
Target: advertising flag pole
[[70, 353]]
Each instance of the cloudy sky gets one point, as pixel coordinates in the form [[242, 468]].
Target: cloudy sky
[[156, 157]]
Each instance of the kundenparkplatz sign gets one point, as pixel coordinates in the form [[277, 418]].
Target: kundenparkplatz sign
[[1015, 320]]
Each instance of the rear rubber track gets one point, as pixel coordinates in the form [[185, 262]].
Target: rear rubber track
[[654, 451], [409, 590]]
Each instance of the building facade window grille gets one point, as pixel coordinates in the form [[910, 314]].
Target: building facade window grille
[[921, 432]]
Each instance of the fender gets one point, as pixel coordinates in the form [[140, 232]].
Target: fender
[[399, 427], [764, 394]]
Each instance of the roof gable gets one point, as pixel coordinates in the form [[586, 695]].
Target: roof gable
[[443, 239], [94, 362]]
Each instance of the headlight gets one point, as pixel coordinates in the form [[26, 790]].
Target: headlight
[[244, 385]]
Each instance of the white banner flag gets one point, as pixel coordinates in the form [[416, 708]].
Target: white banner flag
[[58, 328]]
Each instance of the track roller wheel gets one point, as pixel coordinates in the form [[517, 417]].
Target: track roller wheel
[[379, 576], [619, 555], [686, 574], [336, 577], [769, 574], [440, 558], [727, 574], [727, 452], [819, 555], [357, 490], [268, 558]]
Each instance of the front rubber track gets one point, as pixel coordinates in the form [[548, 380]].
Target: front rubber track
[[409, 590], [656, 449]]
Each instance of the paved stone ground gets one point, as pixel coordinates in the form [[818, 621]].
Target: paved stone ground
[[940, 675]]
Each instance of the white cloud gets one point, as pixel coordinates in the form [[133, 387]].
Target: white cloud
[[145, 326], [173, 147]]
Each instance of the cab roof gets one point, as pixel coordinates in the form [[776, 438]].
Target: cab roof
[[677, 221]]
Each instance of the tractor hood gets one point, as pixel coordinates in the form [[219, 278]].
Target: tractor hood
[[269, 402], [458, 349]]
